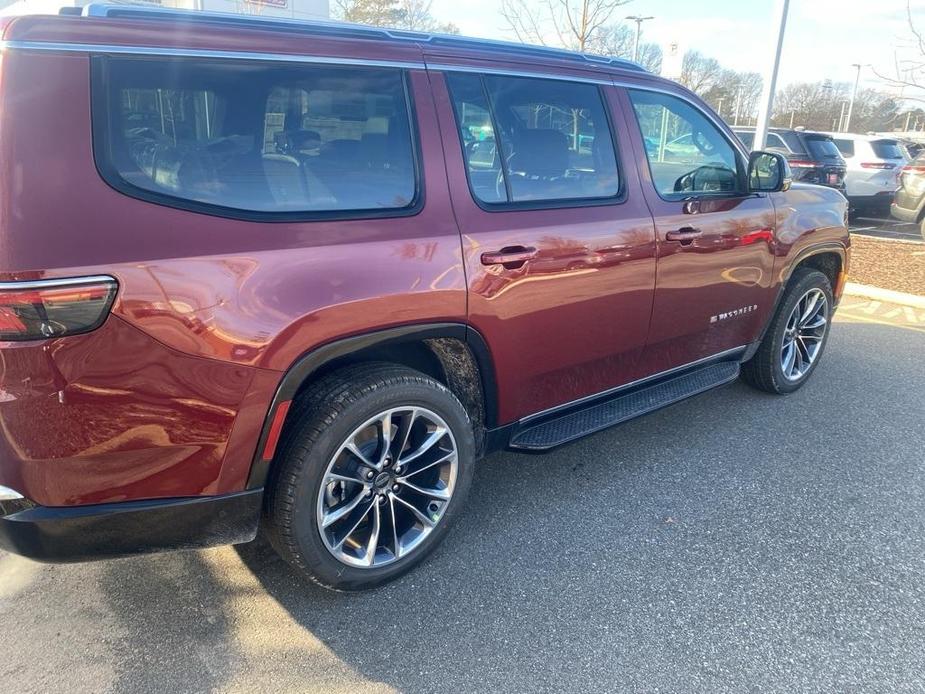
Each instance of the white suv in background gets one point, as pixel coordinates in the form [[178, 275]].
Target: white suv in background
[[874, 163]]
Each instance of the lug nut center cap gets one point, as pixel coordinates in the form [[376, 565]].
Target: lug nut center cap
[[382, 480]]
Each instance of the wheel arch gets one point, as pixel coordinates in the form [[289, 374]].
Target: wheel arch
[[453, 353]]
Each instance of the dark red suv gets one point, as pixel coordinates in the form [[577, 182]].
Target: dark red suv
[[302, 276]]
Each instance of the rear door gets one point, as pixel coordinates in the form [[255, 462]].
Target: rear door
[[558, 244], [715, 240]]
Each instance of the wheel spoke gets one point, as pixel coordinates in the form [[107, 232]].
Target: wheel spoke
[[356, 524], [386, 435], [336, 477], [812, 299], [432, 439], [439, 461], [341, 511], [396, 543], [789, 358], [351, 448], [404, 431], [425, 520], [442, 494], [373, 542], [819, 322]]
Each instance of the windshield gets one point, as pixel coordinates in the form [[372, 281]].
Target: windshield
[[887, 149], [822, 148]]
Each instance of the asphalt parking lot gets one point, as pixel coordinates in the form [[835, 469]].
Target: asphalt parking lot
[[886, 228], [733, 542]]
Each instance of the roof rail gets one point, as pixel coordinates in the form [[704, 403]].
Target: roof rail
[[322, 27]]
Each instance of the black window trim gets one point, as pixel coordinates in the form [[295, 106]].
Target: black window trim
[[100, 113], [741, 173], [526, 205]]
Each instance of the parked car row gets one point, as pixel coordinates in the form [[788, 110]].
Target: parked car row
[[878, 175]]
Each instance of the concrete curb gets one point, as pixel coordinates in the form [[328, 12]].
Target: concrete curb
[[886, 295]]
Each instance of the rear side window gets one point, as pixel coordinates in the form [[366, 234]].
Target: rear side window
[[687, 153], [256, 138], [846, 147], [887, 149], [529, 140], [775, 142], [822, 148]]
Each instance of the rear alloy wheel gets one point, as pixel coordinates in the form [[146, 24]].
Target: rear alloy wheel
[[793, 343], [375, 464], [387, 486]]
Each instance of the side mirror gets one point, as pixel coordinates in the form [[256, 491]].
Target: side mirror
[[768, 172]]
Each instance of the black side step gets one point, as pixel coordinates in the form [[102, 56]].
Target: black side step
[[622, 407]]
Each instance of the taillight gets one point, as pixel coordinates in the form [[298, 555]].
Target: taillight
[[801, 164], [914, 169], [54, 308], [882, 165]]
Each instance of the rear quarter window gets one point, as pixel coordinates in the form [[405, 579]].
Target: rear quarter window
[[241, 138]]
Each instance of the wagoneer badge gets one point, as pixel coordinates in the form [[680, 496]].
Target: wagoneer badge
[[733, 314]]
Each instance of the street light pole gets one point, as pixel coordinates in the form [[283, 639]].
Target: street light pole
[[639, 20], [854, 93], [770, 78]]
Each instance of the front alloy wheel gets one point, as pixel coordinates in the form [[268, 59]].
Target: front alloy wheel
[[387, 487], [803, 336]]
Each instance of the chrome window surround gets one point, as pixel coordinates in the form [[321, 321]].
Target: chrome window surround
[[115, 49]]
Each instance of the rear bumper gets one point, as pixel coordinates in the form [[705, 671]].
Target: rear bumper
[[904, 214], [81, 533]]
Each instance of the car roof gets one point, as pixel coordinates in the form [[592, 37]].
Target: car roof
[[861, 138], [346, 30]]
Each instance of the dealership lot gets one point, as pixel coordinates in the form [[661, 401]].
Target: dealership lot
[[734, 541]]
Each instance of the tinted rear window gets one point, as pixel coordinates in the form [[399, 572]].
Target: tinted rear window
[[846, 147], [256, 137], [822, 148], [887, 149]]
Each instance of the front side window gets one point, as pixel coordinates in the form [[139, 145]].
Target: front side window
[[257, 137], [534, 140], [686, 153]]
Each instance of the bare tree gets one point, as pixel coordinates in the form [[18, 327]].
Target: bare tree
[[618, 40], [414, 15], [573, 24], [820, 105], [698, 72]]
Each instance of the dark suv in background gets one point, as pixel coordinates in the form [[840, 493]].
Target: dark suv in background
[[813, 157], [296, 276]]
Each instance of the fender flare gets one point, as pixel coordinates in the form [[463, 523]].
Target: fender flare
[[309, 363], [808, 252]]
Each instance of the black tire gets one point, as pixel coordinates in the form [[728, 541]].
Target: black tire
[[764, 370], [322, 419]]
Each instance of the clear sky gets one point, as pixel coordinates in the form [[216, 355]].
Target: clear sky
[[823, 39]]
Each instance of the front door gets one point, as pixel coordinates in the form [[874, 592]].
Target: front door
[[715, 240], [558, 245]]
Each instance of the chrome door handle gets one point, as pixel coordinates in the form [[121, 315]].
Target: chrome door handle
[[684, 234], [511, 257]]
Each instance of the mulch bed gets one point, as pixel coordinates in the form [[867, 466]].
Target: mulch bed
[[888, 265]]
